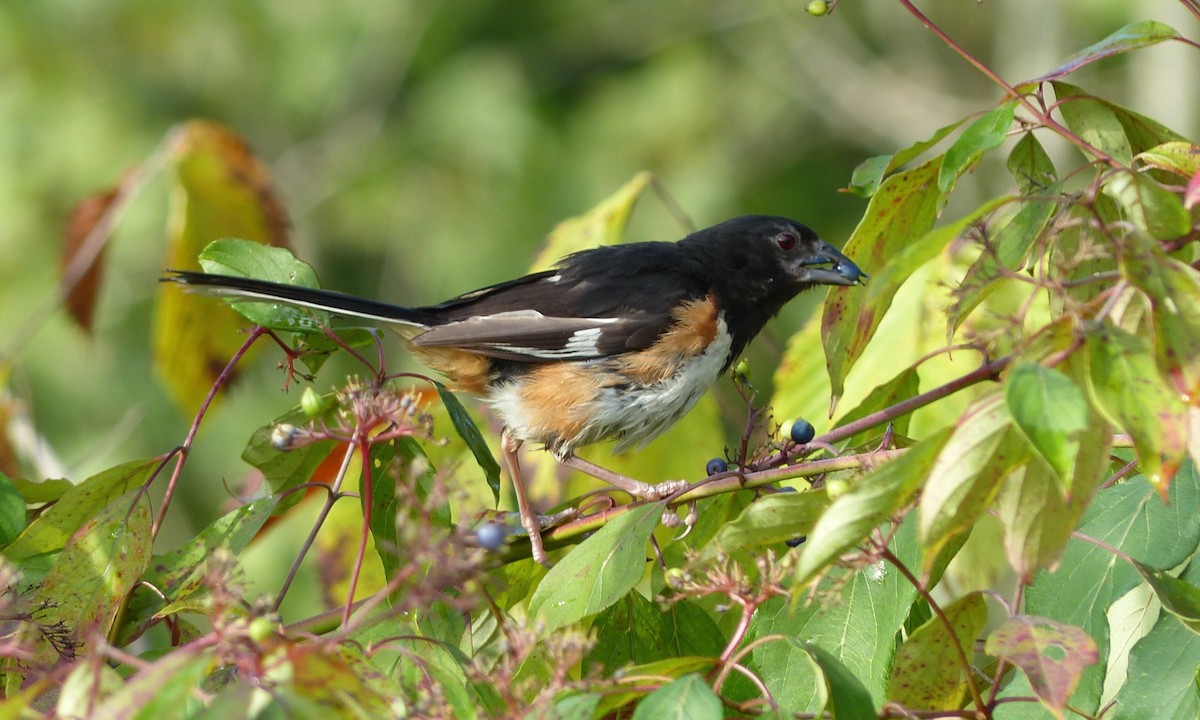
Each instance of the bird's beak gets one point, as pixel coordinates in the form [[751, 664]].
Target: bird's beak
[[830, 267]]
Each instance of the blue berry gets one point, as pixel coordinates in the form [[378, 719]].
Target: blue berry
[[716, 466], [802, 431], [491, 536]]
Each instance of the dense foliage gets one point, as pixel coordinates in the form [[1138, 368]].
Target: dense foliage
[[1003, 529]]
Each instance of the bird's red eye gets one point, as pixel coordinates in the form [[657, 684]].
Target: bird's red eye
[[786, 241]]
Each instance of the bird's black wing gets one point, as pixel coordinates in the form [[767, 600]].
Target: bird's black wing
[[597, 303]]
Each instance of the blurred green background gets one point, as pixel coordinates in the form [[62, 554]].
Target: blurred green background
[[425, 148]]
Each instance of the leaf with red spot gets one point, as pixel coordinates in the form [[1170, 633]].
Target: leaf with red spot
[[928, 673], [902, 211], [1052, 655]]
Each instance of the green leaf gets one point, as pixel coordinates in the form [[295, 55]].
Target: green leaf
[[244, 258], [904, 208], [986, 133], [867, 177], [1133, 36], [1179, 597], [13, 514], [903, 386], [872, 500], [768, 521], [1010, 247], [845, 696], [165, 688], [469, 432], [1031, 167], [687, 698], [1160, 680], [44, 491], [181, 574], [1093, 121], [638, 631], [52, 529], [1051, 654], [98, 567], [600, 571], [1133, 519], [853, 615], [967, 472], [928, 673], [1154, 211], [886, 282], [285, 469], [1051, 410], [1125, 386], [676, 667]]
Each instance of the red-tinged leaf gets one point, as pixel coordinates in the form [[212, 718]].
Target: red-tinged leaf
[[904, 209], [1191, 194], [1131, 37], [1052, 655], [1177, 157], [1154, 210], [1173, 289], [82, 261], [928, 672], [218, 189], [967, 473], [1125, 385], [986, 133], [604, 224], [873, 499]]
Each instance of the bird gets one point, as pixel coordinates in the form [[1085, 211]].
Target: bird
[[615, 342]]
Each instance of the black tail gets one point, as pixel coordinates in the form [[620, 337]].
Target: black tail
[[332, 301]]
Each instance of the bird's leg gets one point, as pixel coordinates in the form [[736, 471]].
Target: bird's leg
[[636, 488], [529, 519]]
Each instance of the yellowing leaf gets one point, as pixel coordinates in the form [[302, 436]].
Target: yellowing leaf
[[218, 189], [967, 473], [1127, 388], [602, 225], [903, 210]]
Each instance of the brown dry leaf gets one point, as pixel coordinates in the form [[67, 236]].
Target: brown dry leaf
[[218, 189], [80, 294]]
